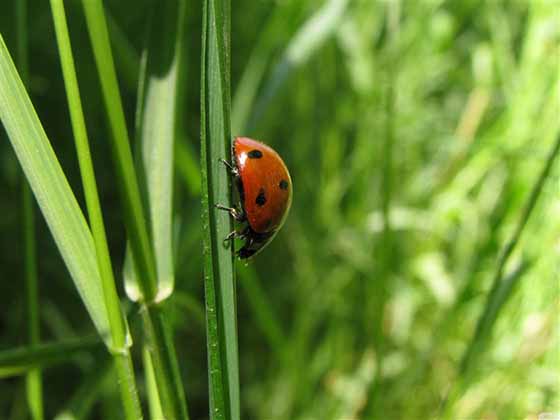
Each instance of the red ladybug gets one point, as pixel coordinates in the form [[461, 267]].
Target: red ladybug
[[265, 192]]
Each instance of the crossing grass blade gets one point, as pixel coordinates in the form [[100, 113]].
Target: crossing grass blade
[[219, 281], [19, 361]]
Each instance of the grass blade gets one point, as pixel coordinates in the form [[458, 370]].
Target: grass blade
[[135, 219], [117, 322], [219, 279], [156, 116], [501, 290], [496, 296], [161, 344], [34, 384], [51, 189], [21, 360]]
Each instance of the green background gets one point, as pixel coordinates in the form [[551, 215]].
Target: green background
[[414, 132]]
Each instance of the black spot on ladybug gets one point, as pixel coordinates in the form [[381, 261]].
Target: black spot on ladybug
[[261, 198], [255, 154], [283, 184]]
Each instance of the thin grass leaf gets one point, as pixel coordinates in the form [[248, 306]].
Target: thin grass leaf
[[496, 296], [135, 216], [154, 403], [33, 380], [309, 39], [21, 360], [501, 290], [219, 279], [117, 323], [157, 329], [156, 122], [51, 189]]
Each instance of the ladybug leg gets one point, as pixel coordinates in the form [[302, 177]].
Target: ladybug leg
[[232, 168], [235, 213]]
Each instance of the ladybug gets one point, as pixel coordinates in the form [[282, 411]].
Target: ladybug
[[265, 191]]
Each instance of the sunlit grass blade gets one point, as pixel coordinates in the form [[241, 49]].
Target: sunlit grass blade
[[308, 40], [219, 281], [117, 322], [156, 122], [154, 404], [19, 361], [135, 216], [157, 329], [51, 189]]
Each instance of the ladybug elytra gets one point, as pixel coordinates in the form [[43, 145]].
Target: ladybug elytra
[[265, 191]]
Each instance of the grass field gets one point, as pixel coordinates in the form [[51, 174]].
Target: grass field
[[417, 275]]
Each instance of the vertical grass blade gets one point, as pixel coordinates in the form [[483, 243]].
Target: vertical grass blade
[[33, 380], [155, 324], [117, 322], [219, 279], [50, 187], [155, 120], [134, 214]]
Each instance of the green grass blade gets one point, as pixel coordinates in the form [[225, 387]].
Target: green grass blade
[[498, 295], [117, 322], [154, 404], [156, 122], [51, 189], [21, 360], [34, 384], [134, 214], [219, 279], [161, 345]]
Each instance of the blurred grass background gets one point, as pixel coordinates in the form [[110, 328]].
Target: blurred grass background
[[414, 132]]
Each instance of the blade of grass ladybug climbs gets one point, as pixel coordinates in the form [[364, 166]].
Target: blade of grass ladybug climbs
[[34, 384], [169, 383], [52, 192], [308, 40], [219, 281], [120, 336]]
